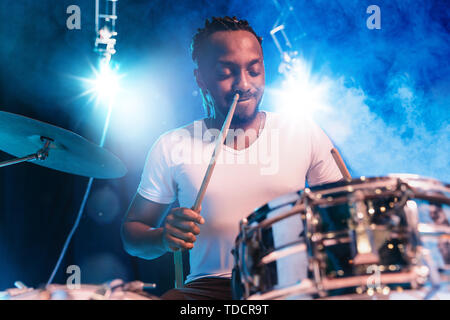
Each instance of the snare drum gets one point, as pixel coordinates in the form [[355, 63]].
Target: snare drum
[[367, 237], [270, 250], [432, 206]]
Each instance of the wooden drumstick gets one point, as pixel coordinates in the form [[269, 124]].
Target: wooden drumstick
[[177, 255], [341, 165]]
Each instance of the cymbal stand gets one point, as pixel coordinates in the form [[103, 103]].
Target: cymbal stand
[[41, 154]]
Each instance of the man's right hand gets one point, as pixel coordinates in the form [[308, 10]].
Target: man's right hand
[[181, 228]]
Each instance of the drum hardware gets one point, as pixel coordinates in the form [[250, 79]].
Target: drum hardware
[[303, 290], [318, 281], [251, 250], [112, 290], [296, 209], [334, 239], [410, 210], [365, 252], [433, 231], [433, 273], [106, 290], [393, 219], [20, 285], [306, 289], [138, 286], [412, 216], [20, 288], [243, 227], [308, 224], [390, 184], [364, 280], [41, 154], [57, 149], [284, 251]]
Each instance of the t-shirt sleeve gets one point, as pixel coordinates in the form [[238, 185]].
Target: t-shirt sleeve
[[157, 183], [323, 168]]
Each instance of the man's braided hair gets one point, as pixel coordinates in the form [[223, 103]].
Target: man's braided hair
[[217, 24], [199, 43]]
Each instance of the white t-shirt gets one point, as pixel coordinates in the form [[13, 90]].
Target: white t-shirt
[[286, 152]]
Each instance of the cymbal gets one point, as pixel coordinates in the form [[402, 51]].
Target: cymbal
[[68, 152]]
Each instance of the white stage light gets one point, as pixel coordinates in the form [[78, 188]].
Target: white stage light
[[106, 83], [300, 93]]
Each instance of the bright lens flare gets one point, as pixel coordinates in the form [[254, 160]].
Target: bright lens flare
[[300, 93], [104, 86]]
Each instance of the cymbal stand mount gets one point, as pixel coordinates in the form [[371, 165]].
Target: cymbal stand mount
[[41, 154]]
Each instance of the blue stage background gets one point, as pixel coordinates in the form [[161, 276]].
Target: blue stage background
[[387, 94]]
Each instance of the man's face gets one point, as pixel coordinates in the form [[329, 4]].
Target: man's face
[[233, 63]]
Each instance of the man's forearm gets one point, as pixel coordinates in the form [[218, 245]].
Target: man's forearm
[[142, 241]]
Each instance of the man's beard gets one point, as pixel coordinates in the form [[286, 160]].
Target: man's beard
[[243, 119], [239, 119]]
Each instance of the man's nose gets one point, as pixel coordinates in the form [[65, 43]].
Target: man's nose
[[242, 83]]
